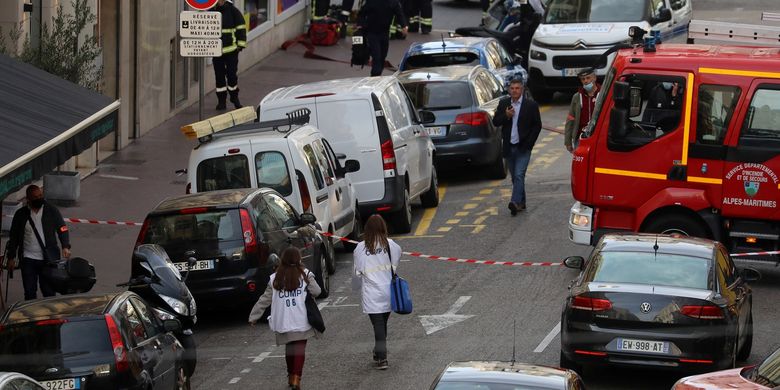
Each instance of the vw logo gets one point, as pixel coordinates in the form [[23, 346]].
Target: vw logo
[[645, 307]]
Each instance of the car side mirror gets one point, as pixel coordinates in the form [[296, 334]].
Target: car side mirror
[[750, 274], [351, 166], [618, 123], [308, 219], [173, 325], [664, 15], [341, 156], [574, 262], [427, 117]]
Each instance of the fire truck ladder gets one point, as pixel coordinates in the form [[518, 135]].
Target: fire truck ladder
[[736, 32]]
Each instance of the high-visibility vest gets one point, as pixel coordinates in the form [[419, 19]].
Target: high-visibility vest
[[233, 28]]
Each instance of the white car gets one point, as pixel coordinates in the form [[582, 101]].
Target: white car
[[574, 34], [370, 120], [16, 381]]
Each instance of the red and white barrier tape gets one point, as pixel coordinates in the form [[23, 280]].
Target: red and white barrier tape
[[767, 253], [94, 221]]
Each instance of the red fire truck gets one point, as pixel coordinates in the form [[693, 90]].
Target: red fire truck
[[685, 139]]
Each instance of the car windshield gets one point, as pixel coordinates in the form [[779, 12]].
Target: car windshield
[[768, 372], [441, 59], [440, 95], [586, 11], [220, 225], [662, 269], [466, 385], [32, 347]]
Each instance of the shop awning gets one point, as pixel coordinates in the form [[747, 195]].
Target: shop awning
[[44, 121]]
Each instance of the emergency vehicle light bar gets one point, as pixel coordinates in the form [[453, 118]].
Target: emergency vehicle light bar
[[734, 32]]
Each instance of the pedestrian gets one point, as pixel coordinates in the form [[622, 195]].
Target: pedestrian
[[581, 108], [420, 14], [520, 123], [233, 41], [286, 294], [373, 258], [33, 239], [375, 19]]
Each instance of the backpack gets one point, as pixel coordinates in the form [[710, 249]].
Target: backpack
[[360, 52], [325, 31]]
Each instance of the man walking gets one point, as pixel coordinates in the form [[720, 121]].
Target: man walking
[[521, 124], [233, 41], [375, 18], [34, 233], [581, 108]]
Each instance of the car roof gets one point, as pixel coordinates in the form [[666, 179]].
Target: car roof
[[505, 372], [641, 242], [64, 306], [351, 86], [450, 44], [439, 73], [690, 57], [212, 199]]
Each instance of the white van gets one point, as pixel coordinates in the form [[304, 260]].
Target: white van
[[370, 120], [294, 160], [575, 33]]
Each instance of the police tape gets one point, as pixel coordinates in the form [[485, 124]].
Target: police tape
[[95, 221], [766, 253]]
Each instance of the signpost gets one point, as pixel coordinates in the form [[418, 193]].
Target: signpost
[[201, 31]]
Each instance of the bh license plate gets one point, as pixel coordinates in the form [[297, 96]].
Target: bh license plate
[[437, 131], [199, 265], [633, 345], [572, 72], [62, 384]]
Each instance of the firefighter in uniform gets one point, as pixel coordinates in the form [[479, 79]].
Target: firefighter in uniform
[[233, 41], [420, 14]]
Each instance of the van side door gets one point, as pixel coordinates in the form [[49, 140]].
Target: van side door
[[341, 208], [319, 188]]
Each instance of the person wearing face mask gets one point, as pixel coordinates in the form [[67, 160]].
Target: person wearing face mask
[[664, 96], [581, 109], [33, 239]]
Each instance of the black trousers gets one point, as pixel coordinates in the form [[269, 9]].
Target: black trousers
[[379, 321], [420, 14], [378, 44], [226, 69], [485, 5], [32, 271]]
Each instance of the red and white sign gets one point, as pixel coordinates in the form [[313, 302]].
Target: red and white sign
[[201, 5]]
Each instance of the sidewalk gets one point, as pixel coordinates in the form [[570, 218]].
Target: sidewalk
[[127, 185]]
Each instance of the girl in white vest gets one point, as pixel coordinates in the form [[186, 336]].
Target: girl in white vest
[[286, 294], [372, 261]]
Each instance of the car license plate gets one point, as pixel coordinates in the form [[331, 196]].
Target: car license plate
[[438, 131], [633, 345], [62, 384], [199, 265], [572, 72]]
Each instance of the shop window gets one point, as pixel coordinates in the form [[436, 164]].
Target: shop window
[[256, 12]]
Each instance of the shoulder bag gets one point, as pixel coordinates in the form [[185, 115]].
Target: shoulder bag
[[400, 296], [313, 312]]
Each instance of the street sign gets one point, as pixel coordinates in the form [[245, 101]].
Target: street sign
[[201, 5], [200, 47], [198, 24]]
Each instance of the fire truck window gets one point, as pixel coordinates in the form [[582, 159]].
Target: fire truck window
[[762, 123], [716, 107]]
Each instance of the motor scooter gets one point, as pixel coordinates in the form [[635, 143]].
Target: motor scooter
[[155, 278]]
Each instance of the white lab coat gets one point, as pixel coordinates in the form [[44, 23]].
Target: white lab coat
[[374, 270]]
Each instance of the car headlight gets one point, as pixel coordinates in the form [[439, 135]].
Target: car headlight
[[537, 55], [177, 305]]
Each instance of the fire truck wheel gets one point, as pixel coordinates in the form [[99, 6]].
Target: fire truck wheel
[[675, 223]]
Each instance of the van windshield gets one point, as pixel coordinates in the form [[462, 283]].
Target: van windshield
[[586, 11]]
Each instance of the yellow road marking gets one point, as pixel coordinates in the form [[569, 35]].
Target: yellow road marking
[[444, 229], [429, 214], [489, 211], [462, 214], [470, 206], [476, 228], [453, 221], [480, 220], [487, 191], [478, 198]]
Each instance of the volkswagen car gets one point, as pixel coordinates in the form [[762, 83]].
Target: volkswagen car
[[657, 301]]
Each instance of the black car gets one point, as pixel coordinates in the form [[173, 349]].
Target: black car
[[108, 341], [490, 375], [236, 237], [464, 99], [657, 301]]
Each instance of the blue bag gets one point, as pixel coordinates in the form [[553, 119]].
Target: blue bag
[[400, 297]]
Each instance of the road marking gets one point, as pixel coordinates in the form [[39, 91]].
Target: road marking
[[478, 198], [470, 206], [480, 220], [429, 214], [487, 191], [462, 214], [246, 371], [476, 228], [453, 221], [489, 211], [435, 323], [549, 338], [444, 229], [262, 356], [119, 177], [408, 237], [234, 380]]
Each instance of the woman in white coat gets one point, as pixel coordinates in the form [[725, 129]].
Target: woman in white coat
[[286, 294], [373, 259]]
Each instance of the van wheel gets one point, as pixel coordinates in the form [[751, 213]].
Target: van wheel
[[357, 232], [402, 219], [321, 276], [431, 197], [676, 223], [498, 169]]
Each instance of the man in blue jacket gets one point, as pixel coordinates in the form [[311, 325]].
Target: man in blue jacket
[[520, 123]]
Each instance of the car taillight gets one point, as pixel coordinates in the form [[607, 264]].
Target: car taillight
[[120, 353], [142, 233], [706, 312], [388, 155], [303, 188], [248, 233], [479, 118], [590, 304]]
